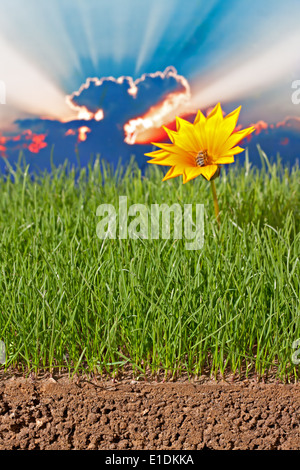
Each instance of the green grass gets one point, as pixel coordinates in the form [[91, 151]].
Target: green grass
[[70, 300]]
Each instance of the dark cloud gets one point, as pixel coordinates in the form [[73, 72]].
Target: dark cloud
[[120, 100], [123, 99]]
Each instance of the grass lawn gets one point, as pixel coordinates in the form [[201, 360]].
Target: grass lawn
[[70, 300]]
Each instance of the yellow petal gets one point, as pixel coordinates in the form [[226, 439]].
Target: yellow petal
[[172, 173], [226, 128], [208, 171], [199, 127], [223, 160], [175, 171], [191, 173], [172, 159], [157, 153], [200, 118], [186, 137], [163, 146], [217, 111], [230, 121], [235, 150], [235, 138], [214, 137], [182, 124], [169, 133], [173, 149], [230, 153]]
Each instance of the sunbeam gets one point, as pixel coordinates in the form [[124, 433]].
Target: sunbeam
[[28, 88], [157, 22], [39, 34], [252, 76]]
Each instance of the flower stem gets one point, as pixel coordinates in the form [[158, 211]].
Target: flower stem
[[216, 204]]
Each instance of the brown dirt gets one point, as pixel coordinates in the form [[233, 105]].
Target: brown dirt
[[60, 414]]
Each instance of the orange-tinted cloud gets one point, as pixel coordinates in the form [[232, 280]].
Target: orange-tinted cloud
[[25, 140], [285, 141], [82, 133], [292, 122], [38, 143]]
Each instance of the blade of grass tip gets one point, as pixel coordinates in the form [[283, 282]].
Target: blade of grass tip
[[79, 362], [264, 157], [247, 162]]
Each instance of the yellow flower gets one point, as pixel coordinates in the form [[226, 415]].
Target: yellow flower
[[199, 148]]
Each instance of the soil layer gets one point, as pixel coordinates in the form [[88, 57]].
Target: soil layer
[[60, 414]]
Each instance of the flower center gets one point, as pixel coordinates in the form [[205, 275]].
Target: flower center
[[202, 158]]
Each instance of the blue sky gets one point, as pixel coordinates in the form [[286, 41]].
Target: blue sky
[[235, 51]]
